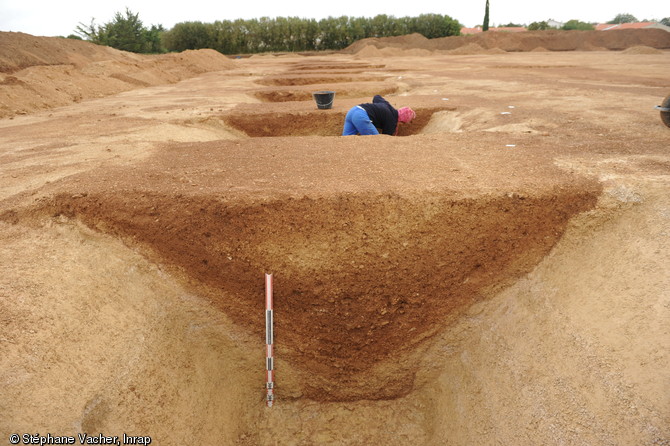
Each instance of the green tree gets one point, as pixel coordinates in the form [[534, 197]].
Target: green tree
[[125, 33], [623, 18], [384, 26], [576, 24], [485, 26], [359, 27], [538, 26], [665, 21], [222, 34], [153, 37], [433, 26], [297, 34], [88, 32], [188, 36]]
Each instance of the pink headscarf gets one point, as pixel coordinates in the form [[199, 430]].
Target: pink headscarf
[[406, 114]]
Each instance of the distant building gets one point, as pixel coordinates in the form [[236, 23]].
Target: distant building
[[554, 24], [636, 25], [478, 29]]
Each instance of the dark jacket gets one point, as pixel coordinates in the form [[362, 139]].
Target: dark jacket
[[382, 114]]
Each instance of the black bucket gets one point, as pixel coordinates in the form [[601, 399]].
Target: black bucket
[[324, 99], [664, 108]]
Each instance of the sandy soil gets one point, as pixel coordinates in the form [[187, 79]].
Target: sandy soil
[[495, 275]]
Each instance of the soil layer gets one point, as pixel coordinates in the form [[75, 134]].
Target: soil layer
[[497, 274]]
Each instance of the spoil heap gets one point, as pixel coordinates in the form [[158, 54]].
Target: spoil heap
[[552, 40], [39, 73]]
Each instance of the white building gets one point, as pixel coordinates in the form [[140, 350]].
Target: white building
[[554, 24]]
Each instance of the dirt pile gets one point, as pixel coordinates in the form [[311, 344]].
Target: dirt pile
[[552, 40], [470, 48], [641, 49], [44, 72], [20, 50], [409, 41], [369, 51]]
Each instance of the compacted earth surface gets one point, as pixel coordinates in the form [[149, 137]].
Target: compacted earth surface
[[495, 274]]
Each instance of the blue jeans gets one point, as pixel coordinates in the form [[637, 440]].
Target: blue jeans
[[358, 122]]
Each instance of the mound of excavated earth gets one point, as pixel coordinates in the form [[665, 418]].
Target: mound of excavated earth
[[553, 40], [495, 274], [43, 72]]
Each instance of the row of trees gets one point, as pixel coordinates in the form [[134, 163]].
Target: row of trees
[[299, 34], [127, 32]]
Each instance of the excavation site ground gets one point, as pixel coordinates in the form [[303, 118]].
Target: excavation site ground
[[495, 274]]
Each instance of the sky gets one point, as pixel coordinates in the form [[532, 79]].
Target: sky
[[60, 18]]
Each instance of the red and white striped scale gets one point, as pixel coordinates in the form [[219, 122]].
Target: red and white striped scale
[[269, 354]]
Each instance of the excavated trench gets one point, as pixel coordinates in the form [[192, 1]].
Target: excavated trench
[[313, 66], [310, 123], [360, 280], [362, 277], [379, 248], [288, 94], [310, 79]]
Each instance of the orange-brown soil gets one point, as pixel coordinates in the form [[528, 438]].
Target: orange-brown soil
[[496, 274]]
